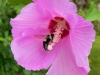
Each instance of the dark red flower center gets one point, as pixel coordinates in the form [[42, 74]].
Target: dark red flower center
[[59, 28], [53, 24]]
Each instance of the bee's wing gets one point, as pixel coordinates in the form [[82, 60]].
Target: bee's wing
[[40, 36]]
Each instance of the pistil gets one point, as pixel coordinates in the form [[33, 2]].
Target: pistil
[[59, 28]]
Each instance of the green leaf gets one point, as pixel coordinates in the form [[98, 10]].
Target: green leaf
[[93, 13], [17, 2], [42, 72], [26, 72], [38, 73], [2, 69], [82, 13], [2, 2], [18, 8], [1, 39]]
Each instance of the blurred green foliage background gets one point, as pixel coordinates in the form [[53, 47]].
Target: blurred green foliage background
[[8, 65]]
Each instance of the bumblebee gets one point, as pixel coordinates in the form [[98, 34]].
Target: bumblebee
[[46, 42]]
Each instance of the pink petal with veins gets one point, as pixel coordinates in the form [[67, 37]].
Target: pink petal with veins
[[32, 16], [29, 52], [65, 63], [81, 38], [57, 7]]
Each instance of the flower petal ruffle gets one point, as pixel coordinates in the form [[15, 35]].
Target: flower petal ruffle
[[33, 16], [81, 38], [57, 7], [65, 63]]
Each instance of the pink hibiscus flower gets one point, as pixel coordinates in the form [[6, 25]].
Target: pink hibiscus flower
[[49, 33]]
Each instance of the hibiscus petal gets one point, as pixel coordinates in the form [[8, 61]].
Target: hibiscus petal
[[29, 32], [72, 19], [57, 7], [65, 63], [33, 16], [29, 52], [81, 38]]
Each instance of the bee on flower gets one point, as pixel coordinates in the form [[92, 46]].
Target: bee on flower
[[50, 34]]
